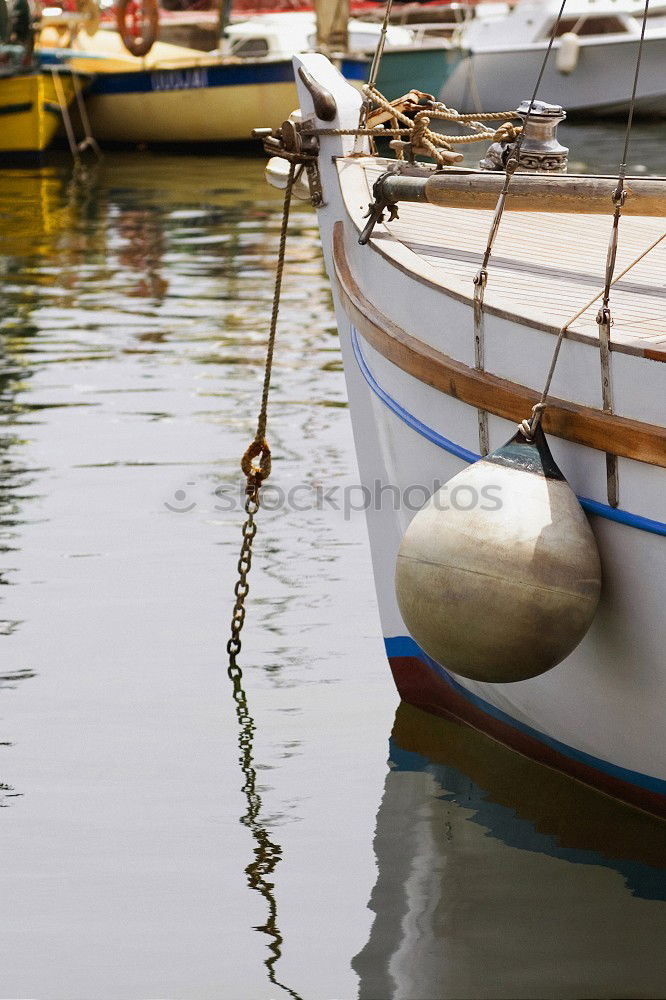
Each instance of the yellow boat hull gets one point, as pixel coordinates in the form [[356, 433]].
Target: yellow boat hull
[[207, 114], [187, 97], [30, 111]]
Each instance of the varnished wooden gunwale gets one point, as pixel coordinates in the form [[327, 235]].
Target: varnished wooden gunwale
[[583, 425], [561, 193]]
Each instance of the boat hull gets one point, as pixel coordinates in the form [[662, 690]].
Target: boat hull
[[30, 112], [426, 69], [598, 717], [214, 103], [599, 86], [407, 346]]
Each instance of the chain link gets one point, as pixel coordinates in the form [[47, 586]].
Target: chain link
[[242, 588]]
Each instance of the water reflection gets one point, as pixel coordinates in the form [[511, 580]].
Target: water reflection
[[132, 336], [267, 852], [501, 878], [14, 482], [132, 329]]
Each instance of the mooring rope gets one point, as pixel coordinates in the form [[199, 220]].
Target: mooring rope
[[255, 474], [415, 131]]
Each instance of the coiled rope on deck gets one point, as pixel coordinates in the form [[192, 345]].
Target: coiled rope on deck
[[415, 131]]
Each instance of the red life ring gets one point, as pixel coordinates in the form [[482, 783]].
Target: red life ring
[[137, 22]]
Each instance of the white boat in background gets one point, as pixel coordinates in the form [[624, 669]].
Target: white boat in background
[[405, 312], [413, 56], [592, 65]]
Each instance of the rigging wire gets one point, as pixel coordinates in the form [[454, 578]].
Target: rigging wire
[[604, 318], [374, 70], [481, 278]]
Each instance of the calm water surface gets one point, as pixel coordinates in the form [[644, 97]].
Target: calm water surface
[[145, 852]]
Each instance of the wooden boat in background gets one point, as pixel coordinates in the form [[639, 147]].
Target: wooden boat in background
[[405, 311], [173, 94], [33, 100], [179, 95], [31, 108]]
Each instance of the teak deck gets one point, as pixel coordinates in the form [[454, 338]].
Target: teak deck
[[544, 268]]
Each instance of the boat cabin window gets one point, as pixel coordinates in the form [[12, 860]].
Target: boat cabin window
[[599, 25], [250, 47]]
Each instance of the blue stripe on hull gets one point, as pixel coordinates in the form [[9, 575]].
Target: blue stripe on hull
[[405, 646], [591, 506], [203, 77]]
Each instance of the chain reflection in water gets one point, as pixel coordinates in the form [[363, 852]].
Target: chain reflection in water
[[267, 854]]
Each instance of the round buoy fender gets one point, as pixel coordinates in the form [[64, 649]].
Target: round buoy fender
[[137, 22], [568, 53], [498, 576]]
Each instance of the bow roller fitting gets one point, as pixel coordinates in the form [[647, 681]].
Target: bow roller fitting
[[507, 588]]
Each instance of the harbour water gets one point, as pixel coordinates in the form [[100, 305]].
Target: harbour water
[[156, 841]]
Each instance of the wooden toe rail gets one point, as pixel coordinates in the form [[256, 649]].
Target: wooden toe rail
[[582, 424]]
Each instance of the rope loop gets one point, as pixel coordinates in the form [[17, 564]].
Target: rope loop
[[507, 132], [531, 425], [256, 474], [528, 427], [421, 122]]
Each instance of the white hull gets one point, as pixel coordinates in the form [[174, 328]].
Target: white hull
[[600, 714], [600, 85]]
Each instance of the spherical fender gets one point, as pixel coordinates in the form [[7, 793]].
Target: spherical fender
[[498, 576]]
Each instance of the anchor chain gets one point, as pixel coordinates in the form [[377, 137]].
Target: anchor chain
[[256, 472], [256, 466]]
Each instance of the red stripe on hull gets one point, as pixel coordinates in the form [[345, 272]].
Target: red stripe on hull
[[420, 686]]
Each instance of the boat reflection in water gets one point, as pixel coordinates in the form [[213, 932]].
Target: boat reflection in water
[[498, 877]]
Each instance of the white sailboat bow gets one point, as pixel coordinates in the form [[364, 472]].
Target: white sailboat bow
[[421, 385]]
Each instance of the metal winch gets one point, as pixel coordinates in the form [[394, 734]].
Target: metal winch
[[539, 150]]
